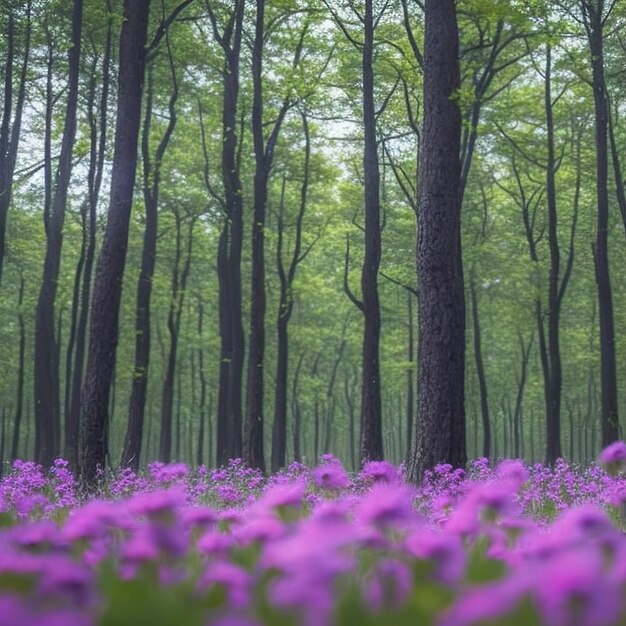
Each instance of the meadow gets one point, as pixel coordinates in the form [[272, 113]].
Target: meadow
[[504, 544]]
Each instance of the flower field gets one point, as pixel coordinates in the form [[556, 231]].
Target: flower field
[[509, 544]]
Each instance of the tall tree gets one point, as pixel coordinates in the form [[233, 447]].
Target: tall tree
[[595, 14], [229, 443], [371, 411], [12, 107], [98, 122], [180, 274], [286, 276], [105, 302], [151, 185], [440, 431], [46, 379]]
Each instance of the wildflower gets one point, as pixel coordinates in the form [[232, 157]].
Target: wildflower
[[330, 475], [386, 506], [613, 457], [571, 590], [380, 471]]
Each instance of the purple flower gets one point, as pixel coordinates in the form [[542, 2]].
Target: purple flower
[[330, 475], [445, 551], [236, 581], [387, 505], [573, 589], [613, 457], [488, 603], [380, 471]]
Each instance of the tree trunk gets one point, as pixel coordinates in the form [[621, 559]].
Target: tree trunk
[[179, 284], [10, 129], [441, 410], [46, 372], [19, 401], [285, 307], [480, 370], [371, 410], [151, 186], [98, 125], [553, 417], [253, 429], [109, 275], [594, 22], [229, 412]]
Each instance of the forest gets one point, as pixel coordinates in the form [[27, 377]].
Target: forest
[[209, 215]]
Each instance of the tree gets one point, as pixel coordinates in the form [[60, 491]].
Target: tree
[[46, 381], [98, 122], [229, 413], [595, 14], [151, 184], [12, 109], [286, 276], [105, 302], [440, 429]]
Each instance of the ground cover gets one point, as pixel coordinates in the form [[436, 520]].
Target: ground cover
[[503, 544]]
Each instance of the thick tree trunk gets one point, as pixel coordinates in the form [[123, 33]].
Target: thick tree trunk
[[46, 372], [440, 435], [105, 303]]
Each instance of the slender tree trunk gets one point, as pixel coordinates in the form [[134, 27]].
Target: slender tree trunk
[[19, 401], [441, 410], [594, 22], [371, 409], [203, 388], [179, 284], [151, 188], [105, 303], [11, 115], [410, 382], [297, 416], [553, 417], [98, 125], [285, 306], [480, 369], [253, 429], [229, 413], [46, 372]]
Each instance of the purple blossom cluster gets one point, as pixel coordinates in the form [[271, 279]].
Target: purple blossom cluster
[[508, 543]]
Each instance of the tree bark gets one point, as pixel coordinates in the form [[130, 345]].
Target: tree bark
[[371, 410], [105, 303], [46, 372], [179, 284], [593, 16], [440, 433], [480, 369], [11, 117], [19, 402], [285, 307], [151, 186], [98, 126]]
